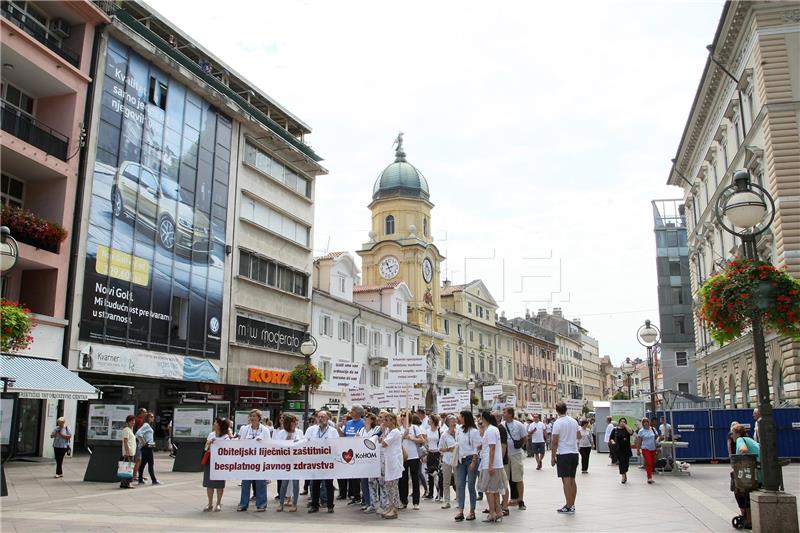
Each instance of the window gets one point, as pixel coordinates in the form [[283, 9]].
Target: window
[[500, 369], [447, 327], [679, 325], [413, 347], [460, 331], [447, 358], [681, 359], [469, 307], [376, 377], [326, 369], [399, 306], [425, 226], [361, 334], [675, 268], [326, 325], [274, 221], [259, 159], [401, 344], [472, 363], [479, 311], [483, 363], [158, 93], [362, 379], [17, 98], [480, 338], [12, 191], [376, 338], [471, 335], [460, 361], [388, 225], [389, 340], [677, 295], [344, 330], [342, 284], [428, 318], [263, 270], [672, 239], [683, 387]]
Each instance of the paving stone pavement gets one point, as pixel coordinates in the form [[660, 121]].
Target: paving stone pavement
[[38, 502]]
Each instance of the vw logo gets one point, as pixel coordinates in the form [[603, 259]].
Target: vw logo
[[213, 325]]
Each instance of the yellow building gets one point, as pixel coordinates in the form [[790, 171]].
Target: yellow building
[[401, 248]]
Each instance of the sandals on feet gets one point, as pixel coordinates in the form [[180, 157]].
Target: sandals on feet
[[459, 517]]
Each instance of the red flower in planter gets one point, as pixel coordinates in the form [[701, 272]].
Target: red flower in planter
[[31, 229]]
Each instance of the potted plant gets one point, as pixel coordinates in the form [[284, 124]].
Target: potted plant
[[744, 288], [15, 333], [305, 374], [31, 229]]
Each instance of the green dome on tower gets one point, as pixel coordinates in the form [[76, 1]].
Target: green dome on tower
[[401, 178]]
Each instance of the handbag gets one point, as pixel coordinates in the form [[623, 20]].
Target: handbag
[[125, 470], [454, 456], [206, 457]]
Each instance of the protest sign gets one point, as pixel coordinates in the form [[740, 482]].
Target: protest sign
[[534, 407], [463, 399], [448, 403], [574, 405], [356, 394], [345, 374], [411, 369], [490, 391], [350, 458], [511, 400], [378, 399]]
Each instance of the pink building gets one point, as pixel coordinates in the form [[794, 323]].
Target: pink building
[[46, 73]]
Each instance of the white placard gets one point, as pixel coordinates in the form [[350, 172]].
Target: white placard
[[511, 400], [574, 405], [357, 394], [345, 374], [463, 399], [240, 418], [192, 422], [351, 458], [448, 403], [106, 421], [411, 369], [491, 391], [534, 407], [378, 399]]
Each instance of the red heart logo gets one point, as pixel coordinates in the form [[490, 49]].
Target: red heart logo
[[348, 456]]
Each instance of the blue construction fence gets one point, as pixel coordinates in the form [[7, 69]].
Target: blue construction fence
[[706, 431]]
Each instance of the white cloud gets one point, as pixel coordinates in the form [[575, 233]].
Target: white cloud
[[541, 127]]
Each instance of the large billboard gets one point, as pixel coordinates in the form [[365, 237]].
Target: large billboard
[[156, 241]]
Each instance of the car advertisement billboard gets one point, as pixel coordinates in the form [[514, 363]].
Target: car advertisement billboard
[[156, 238]]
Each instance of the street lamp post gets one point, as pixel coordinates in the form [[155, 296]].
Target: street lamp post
[[628, 369], [471, 387], [9, 250], [307, 348], [648, 336], [744, 204]]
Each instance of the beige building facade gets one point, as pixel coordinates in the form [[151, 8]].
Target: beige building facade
[[753, 124]]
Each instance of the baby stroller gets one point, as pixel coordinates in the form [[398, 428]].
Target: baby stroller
[[744, 480]]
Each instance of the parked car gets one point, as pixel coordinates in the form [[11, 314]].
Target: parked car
[[138, 194]]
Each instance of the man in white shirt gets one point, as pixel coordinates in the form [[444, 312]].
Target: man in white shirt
[[564, 455], [607, 437], [756, 419], [517, 437], [322, 431], [537, 433]]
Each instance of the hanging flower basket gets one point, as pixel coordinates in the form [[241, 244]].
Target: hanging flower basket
[[730, 299], [17, 324], [305, 374]]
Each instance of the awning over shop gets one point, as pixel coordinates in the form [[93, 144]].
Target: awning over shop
[[36, 377]]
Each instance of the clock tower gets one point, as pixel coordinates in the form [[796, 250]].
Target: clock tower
[[400, 246]]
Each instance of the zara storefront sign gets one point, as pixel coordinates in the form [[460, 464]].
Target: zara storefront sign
[[259, 333]]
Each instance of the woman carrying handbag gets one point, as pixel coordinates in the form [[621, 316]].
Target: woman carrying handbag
[[125, 467]]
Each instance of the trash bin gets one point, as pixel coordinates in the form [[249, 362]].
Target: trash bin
[[745, 472]]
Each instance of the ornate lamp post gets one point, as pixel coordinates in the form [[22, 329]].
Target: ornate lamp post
[[628, 369], [471, 387], [744, 205], [307, 348], [648, 336], [9, 250]]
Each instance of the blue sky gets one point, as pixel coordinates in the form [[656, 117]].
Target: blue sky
[[544, 130]]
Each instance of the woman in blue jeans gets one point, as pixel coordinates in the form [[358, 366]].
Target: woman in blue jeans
[[468, 438]]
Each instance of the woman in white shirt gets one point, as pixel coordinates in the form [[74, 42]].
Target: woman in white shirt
[[254, 430], [391, 442], [447, 444], [290, 433], [492, 477], [433, 459], [369, 431], [412, 435], [468, 438], [221, 427], [584, 445]]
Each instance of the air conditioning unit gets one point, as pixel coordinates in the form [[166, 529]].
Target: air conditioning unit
[[60, 27]]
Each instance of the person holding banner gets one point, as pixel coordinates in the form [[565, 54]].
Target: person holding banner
[[468, 438], [392, 446], [351, 429], [369, 431], [221, 431], [412, 437], [290, 433], [447, 447], [322, 431], [255, 430]]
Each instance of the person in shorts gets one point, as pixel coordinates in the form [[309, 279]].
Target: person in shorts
[[517, 438], [537, 432], [564, 455]]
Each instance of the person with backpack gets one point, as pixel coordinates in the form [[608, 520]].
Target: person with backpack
[[413, 440], [517, 438], [646, 439]]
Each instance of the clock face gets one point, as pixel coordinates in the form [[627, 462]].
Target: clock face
[[389, 267], [427, 270]]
